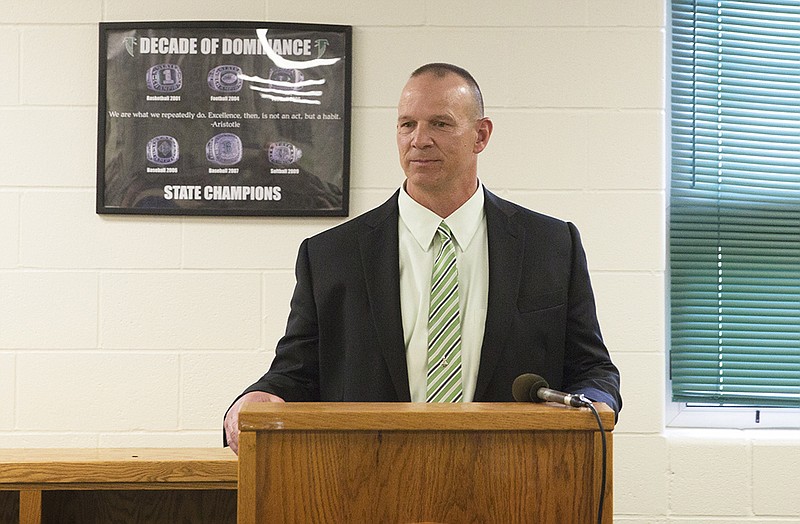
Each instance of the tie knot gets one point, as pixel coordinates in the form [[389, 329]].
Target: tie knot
[[444, 231]]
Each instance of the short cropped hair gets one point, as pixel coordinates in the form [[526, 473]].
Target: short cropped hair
[[441, 69]]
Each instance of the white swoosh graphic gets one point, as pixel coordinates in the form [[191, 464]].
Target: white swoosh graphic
[[304, 83], [284, 63]]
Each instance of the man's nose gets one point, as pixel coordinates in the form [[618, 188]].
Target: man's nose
[[422, 136]]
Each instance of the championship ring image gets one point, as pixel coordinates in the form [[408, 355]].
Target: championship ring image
[[225, 79], [291, 76], [224, 149], [162, 150], [283, 153], [164, 78]]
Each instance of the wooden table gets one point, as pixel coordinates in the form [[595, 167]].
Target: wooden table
[[195, 485]]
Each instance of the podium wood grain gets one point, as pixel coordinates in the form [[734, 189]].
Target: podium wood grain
[[420, 463]]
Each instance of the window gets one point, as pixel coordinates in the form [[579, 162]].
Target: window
[[735, 203]]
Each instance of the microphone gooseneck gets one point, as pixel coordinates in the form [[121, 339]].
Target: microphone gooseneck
[[533, 388]]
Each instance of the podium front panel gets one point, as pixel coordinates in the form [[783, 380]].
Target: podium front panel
[[419, 463]]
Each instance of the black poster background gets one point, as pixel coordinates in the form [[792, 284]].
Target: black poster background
[[131, 114]]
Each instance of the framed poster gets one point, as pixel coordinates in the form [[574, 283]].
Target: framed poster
[[224, 118]]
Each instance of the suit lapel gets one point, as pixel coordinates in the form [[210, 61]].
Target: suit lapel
[[381, 262], [506, 243]]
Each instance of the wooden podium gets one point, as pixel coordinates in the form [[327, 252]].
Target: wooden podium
[[414, 462]]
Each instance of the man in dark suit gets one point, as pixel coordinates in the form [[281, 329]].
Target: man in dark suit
[[358, 326]]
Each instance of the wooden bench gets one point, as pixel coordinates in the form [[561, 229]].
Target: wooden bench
[[118, 485]]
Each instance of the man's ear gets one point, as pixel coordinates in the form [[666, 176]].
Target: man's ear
[[485, 127]]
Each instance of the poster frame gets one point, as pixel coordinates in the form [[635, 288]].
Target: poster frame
[[333, 199]]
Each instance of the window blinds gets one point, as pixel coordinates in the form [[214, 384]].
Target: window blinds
[[735, 202]]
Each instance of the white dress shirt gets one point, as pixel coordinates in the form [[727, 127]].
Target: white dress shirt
[[417, 232]]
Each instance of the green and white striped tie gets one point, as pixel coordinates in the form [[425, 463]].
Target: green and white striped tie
[[444, 325]]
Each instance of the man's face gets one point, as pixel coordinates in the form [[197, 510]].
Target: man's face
[[439, 133]]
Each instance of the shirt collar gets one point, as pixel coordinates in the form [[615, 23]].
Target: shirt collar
[[422, 222]]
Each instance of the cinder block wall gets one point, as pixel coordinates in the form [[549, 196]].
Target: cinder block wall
[[138, 331]]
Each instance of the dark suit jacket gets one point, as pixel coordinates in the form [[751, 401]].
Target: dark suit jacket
[[344, 336]]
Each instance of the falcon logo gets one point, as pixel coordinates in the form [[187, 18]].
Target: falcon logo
[[321, 45], [130, 43]]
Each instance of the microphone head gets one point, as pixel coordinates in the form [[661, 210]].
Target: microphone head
[[525, 387]]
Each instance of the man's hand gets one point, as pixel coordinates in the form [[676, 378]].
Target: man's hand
[[232, 418]]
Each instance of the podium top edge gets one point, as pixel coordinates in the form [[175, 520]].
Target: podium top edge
[[417, 416]]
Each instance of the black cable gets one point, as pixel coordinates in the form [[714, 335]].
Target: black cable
[[601, 502]]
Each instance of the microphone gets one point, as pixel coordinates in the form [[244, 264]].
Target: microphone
[[533, 388]]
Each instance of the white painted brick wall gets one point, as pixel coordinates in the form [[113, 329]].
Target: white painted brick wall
[[123, 10], [642, 460], [776, 463], [138, 331], [58, 232], [9, 61], [51, 12], [94, 392], [710, 477], [7, 385], [185, 310], [66, 78], [53, 147], [9, 230], [48, 310]]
